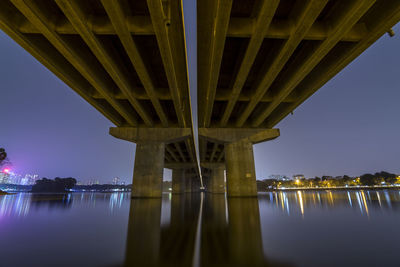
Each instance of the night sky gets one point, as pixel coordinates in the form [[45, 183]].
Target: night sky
[[350, 126]]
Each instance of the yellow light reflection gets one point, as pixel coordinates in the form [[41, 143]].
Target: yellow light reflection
[[365, 202], [331, 198], [299, 194], [281, 198]]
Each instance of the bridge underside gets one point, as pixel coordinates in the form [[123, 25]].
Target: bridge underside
[[260, 59], [126, 58], [257, 61]]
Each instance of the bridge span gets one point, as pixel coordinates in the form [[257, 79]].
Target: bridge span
[[257, 61]]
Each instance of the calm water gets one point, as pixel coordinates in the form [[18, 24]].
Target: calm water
[[327, 228]]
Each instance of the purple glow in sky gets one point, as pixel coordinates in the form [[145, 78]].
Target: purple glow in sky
[[350, 126]]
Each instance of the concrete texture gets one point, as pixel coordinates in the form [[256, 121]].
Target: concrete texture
[[240, 169], [178, 181], [148, 170]]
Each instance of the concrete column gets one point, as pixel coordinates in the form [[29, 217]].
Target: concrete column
[[150, 155], [178, 181], [188, 184], [195, 185], [148, 171], [240, 170], [217, 183], [239, 157]]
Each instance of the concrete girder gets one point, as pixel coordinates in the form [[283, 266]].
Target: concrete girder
[[58, 65], [210, 61], [116, 15], [309, 12], [169, 33], [267, 11], [298, 70], [73, 11], [165, 135], [238, 27], [91, 73], [180, 165], [229, 135]]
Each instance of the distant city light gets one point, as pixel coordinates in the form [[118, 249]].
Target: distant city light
[[6, 170]]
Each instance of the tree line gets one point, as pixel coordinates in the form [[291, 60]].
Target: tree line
[[368, 179]]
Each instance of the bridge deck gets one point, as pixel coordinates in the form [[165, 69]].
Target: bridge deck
[[260, 59], [126, 58]]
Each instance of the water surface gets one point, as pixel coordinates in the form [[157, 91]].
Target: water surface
[[298, 228]]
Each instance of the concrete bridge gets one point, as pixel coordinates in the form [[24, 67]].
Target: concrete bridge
[[257, 61]]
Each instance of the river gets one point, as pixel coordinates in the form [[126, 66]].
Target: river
[[296, 228]]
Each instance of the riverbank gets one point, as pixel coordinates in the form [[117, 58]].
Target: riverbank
[[3, 193], [341, 188]]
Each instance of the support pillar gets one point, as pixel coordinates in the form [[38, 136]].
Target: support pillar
[[178, 181], [239, 157], [148, 170], [240, 169], [217, 183], [195, 185], [188, 184], [150, 155]]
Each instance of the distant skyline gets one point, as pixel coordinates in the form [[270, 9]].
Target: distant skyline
[[350, 126]]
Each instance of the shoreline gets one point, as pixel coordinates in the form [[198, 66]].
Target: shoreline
[[334, 188]]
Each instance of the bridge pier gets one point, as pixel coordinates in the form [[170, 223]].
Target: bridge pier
[[239, 156], [150, 155], [148, 170], [240, 169], [178, 181], [188, 184], [217, 183]]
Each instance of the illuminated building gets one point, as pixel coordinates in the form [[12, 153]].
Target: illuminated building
[[279, 177], [116, 181], [298, 176], [4, 178]]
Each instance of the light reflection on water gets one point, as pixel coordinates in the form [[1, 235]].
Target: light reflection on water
[[293, 202], [281, 228]]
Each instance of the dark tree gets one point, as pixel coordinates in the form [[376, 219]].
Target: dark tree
[[56, 185], [367, 179]]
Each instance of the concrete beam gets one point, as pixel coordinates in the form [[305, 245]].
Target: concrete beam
[[172, 153], [266, 13], [179, 149], [91, 72], [389, 16], [57, 64], [229, 135], [281, 29], [306, 15], [212, 165], [180, 165], [116, 15], [214, 40], [238, 27], [342, 23], [170, 38], [165, 135], [73, 10]]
